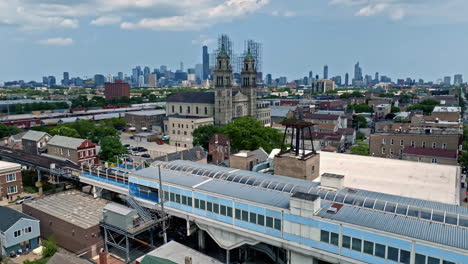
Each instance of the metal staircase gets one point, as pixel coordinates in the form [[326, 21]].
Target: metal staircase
[[145, 214]]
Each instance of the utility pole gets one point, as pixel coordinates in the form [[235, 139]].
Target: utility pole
[[161, 198]]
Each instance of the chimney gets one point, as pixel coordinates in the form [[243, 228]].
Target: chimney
[[188, 260], [102, 257]]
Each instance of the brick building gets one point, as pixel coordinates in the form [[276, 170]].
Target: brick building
[[11, 182], [117, 90], [431, 155], [35, 142], [73, 218], [74, 149], [144, 120], [391, 145], [219, 149]]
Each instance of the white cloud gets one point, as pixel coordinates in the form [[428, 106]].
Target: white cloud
[[372, 10], [56, 41], [285, 13], [106, 20], [201, 17]]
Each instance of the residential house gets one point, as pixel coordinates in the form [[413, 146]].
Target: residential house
[[431, 155], [15, 141], [35, 142], [11, 182], [246, 160], [75, 149], [219, 149], [19, 232]]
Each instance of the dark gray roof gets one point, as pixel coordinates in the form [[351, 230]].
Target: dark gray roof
[[192, 97], [67, 142], [305, 196], [10, 217], [61, 258]]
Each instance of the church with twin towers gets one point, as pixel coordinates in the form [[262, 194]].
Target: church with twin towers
[[226, 101]]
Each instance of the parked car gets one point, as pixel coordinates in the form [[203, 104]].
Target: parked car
[[141, 149], [24, 199], [134, 149], [127, 145], [128, 159], [146, 156], [165, 138]]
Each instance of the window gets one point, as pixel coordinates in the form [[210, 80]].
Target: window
[[209, 207], [229, 211], [196, 110], [324, 236], [379, 250], [402, 142], [412, 143], [405, 256], [223, 209], [447, 262], [172, 197], [184, 199], [391, 151], [334, 238], [197, 203], [27, 230], [260, 219], [206, 110], [17, 233], [245, 216], [391, 141], [202, 205], [253, 218], [444, 146], [11, 177], [383, 141], [368, 247], [383, 150], [238, 214], [420, 259], [216, 208], [177, 198], [12, 189], [277, 224], [68, 152], [357, 244], [346, 242], [423, 144], [433, 160], [392, 254], [431, 260], [269, 222], [166, 196], [188, 109], [189, 200], [180, 109], [434, 144]]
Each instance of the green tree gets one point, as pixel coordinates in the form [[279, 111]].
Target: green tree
[[427, 106], [360, 122], [360, 108], [354, 94], [110, 148], [64, 131], [203, 134], [6, 131], [50, 247], [361, 148], [248, 134], [395, 109]]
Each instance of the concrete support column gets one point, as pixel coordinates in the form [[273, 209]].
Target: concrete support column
[[227, 256], [97, 192], [39, 182], [201, 240]]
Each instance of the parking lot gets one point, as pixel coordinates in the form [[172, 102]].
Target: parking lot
[[153, 149]]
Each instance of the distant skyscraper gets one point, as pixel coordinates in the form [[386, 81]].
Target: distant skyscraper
[[141, 81], [358, 80], [52, 81], [66, 78], [376, 79], [151, 80], [181, 66], [45, 80], [206, 63], [311, 76], [447, 80], [199, 72], [346, 79], [268, 79], [120, 76], [146, 70], [325, 72], [458, 79], [163, 69], [99, 80]]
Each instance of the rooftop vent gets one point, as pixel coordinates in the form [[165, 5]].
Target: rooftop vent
[[332, 181], [334, 208]]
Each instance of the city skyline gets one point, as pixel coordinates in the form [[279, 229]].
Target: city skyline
[[384, 36]]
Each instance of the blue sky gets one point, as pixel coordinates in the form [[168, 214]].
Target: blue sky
[[400, 38]]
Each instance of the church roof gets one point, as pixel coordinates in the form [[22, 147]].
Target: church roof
[[248, 56], [192, 97]]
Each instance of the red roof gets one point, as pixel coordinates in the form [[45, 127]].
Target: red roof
[[431, 152]]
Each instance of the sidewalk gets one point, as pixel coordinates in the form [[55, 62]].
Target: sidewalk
[[5, 202]]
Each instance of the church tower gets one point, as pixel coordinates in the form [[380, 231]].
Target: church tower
[[222, 77], [249, 83]]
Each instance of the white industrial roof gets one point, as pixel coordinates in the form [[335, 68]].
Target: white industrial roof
[[177, 252], [447, 109], [418, 180], [8, 166]]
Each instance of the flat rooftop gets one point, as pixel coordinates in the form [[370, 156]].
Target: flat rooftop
[[72, 206], [148, 113], [418, 180], [8, 166], [177, 252]]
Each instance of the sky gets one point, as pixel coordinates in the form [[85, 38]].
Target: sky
[[399, 38]]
